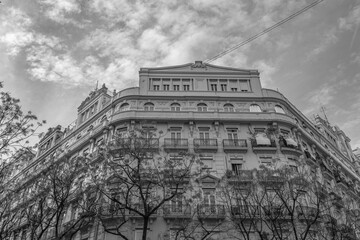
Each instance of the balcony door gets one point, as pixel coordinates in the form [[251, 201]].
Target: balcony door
[[176, 138], [209, 201], [204, 138], [233, 137], [177, 204]]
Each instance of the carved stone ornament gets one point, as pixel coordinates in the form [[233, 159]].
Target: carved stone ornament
[[198, 64]]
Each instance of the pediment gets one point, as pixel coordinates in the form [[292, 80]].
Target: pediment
[[208, 178], [198, 66]]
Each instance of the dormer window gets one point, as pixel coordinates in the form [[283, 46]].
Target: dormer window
[[202, 107], [124, 107], [175, 107], [255, 108], [279, 109], [228, 107], [149, 106]]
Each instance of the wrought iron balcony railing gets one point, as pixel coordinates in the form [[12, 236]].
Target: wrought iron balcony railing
[[246, 211], [177, 211], [236, 145], [176, 143], [207, 211], [205, 144]]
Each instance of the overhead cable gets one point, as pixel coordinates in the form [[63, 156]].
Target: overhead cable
[[233, 48]]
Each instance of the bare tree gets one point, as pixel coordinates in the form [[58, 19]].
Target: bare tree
[[16, 127], [243, 200], [137, 180], [275, 203], [58, 205]]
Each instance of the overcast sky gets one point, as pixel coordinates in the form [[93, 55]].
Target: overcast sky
[[52, 52]]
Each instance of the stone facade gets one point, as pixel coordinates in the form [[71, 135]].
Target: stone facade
[[225, 106]]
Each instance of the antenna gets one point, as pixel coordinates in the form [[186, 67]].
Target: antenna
[[97, 84], [323, 111]]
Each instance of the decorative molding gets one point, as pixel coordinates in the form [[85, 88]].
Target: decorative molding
[[198, 64]]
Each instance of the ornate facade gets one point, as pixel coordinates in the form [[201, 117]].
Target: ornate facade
[[222, 113]]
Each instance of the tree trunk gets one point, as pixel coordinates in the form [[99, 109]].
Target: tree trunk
[[145, 227]]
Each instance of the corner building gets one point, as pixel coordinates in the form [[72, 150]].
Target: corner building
[[217, 111]]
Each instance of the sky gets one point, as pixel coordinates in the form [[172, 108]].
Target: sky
[[53, 52]]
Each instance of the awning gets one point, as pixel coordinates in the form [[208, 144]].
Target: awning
[[291, 142], [262, 139]]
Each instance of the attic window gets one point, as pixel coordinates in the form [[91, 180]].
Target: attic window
[[124, 107], [279, 109], [255, 108]]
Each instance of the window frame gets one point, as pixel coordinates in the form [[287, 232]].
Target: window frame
[[175, 107]]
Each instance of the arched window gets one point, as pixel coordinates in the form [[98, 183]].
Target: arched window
[[229, 107], [255, 108], [124, 107], [149, 106], [202, 107], [175, 107], [279, 109]]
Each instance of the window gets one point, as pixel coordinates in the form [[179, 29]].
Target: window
[[232, 134], [124, 107], [175, 107], [156, 87], [279, 109], [186, 87], [175, 137], [213, 87], [255, 108], [285, 133], [244, 85], [176, 87], [204, 136], [266, 160], [236, 168], [202, 107], [166, 87], [177, 204], [207, 160], [229, 107], [149, 107], [234, 89], [223, 87], [209, 200]]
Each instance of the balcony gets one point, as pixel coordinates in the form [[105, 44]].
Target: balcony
[[245, 212], [235, 145], [177, 211], [329, 221], [205, 145], [290, 148], [140, 208], [206, 211], [311, 159], [336, 199], [260, 147], [347, 232], [120, 144], [240, 177], [276, 213], [307, 213], [147, 144], [179, 144]]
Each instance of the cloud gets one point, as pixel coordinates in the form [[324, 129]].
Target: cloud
[[60, 11], [351, 20], [326, 40], [123, 34], [322, 96], [266, 71], [14, 30]]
